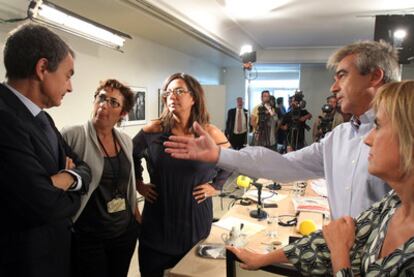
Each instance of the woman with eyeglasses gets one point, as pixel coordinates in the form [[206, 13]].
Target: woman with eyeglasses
[[178, 206], [106, 225], [380, 241]]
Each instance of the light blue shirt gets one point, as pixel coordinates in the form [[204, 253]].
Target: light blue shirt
[[35, 110], [341, 158]]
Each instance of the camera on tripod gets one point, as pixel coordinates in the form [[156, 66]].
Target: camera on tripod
[[325, 124], [298, 104]]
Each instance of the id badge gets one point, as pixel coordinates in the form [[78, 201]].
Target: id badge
[[116, 205]]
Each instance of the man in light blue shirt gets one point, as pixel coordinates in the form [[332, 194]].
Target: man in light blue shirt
[[341, 157]]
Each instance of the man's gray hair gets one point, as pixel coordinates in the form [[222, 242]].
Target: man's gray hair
[[370, 55]]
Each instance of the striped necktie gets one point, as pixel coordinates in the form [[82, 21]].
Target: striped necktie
[[239, 121]]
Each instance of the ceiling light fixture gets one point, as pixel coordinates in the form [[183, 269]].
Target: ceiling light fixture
[[50, 14]]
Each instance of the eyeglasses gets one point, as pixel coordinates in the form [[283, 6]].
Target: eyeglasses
[[100, 98], [177, 91]]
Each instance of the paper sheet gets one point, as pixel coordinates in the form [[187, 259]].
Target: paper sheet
[[249, 228], [319, 186]]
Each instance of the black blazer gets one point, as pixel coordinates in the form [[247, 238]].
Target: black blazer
[[231, 118], [35, 236]]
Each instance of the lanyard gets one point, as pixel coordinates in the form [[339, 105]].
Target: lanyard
[[115, 174]]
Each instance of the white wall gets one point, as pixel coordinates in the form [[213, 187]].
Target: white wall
[[233, 79], [408, 72], [315, 81], [143, 63]]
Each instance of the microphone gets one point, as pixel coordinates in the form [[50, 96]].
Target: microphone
[[259, 213]]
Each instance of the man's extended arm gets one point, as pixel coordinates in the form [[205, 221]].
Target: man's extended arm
[[303, 164]]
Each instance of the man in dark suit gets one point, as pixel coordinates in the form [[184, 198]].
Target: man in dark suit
[[236, 125], [41, 179]]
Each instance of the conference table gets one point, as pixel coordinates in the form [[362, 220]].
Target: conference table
[[194, 265]]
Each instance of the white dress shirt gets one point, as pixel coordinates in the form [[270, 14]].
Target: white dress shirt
[[341, 158], [243, 121]]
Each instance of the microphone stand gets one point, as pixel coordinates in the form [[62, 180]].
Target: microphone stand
[[259, 213]]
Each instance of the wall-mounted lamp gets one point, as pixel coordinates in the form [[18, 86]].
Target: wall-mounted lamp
[[248, 56], [50, 14]]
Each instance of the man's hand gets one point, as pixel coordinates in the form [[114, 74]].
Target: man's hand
[[202, 148], [340, 237], [69, 163], [148, 191], [202, 192], [63, 180]]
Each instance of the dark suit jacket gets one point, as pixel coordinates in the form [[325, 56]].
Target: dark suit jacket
[[231, 120], [35, 236]]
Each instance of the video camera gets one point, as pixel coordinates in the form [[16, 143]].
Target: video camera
[[325, 124], [298, 96], [293, 120]]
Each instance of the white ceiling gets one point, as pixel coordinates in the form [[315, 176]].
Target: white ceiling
[[207, 28]]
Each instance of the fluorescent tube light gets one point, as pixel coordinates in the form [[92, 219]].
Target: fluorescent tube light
[[60, 18]]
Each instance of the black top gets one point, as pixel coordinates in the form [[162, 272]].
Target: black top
[[95, 219], [175, 222]]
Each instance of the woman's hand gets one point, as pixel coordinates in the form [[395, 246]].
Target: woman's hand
[[340, 237], [148, 191], [202, 192], [250, 260]]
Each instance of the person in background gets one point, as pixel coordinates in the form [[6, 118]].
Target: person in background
[[41, 178], [106, 225], [294, 124], [273, 123], [380, 241], [280, 108], [262, 119], [361, 69], [236, 125], [330, 117], [178, 206], [281, 134]]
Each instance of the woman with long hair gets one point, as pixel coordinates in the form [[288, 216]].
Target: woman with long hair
[[178, 206]]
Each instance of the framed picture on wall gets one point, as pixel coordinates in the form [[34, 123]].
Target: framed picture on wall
[[137, 115], [160, 103]]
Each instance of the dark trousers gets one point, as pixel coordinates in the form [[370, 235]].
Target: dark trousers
[[238, 141], [98, 257], [153, 263]]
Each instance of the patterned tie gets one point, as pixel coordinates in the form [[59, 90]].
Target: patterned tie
[[239, 121], [50, 133], [355, 122]]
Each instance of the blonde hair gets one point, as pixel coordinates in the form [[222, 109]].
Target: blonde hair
[[397, 99]]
